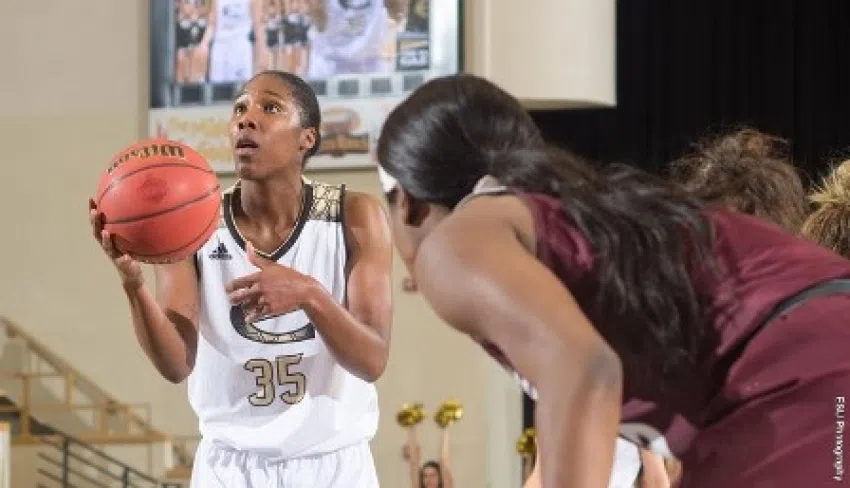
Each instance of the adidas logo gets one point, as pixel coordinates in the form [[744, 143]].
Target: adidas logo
[[220, 252]]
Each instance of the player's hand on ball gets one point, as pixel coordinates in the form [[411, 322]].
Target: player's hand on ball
[[128, 268], [274, 290]]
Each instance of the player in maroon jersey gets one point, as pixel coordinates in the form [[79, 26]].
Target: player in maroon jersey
[[627, 304]]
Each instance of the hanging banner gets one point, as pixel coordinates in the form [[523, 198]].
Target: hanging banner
[[362, 58]]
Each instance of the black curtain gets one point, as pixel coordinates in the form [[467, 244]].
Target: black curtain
[[688, 67]]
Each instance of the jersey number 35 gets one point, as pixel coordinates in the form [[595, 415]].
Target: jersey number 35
[[274, 377]]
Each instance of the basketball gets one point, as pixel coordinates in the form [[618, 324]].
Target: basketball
[[160, 200]]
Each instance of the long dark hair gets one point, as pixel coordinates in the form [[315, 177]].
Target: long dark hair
[[648, 235]]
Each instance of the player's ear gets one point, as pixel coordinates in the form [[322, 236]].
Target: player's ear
[[413, 211], [308, 139]]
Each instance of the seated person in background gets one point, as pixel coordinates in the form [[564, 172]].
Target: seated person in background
[[747, 171], [829, 224], [432, 474]]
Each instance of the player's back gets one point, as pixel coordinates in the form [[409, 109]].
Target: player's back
[[273, 386]]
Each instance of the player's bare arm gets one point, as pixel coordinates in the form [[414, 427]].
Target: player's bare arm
[[166, 326], [358, 331], [538, 326]]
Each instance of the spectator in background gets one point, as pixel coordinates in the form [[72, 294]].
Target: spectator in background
[[431, 474], [829, 224], [747, 171]]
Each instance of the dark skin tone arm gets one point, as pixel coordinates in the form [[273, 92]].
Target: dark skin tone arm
[[166, 326], [358, 331], [499, 293]]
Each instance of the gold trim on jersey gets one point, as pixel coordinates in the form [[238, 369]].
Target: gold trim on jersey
[[327, 203]]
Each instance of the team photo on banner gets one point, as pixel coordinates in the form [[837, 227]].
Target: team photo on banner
[[361, 57]]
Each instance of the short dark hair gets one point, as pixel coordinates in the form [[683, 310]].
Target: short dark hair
[[748, 171], [309, 113]]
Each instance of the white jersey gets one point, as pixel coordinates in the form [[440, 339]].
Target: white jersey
[[232, 20], [272, 387], [355, 30]]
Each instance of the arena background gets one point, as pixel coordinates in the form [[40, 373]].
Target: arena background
[[75, 88]]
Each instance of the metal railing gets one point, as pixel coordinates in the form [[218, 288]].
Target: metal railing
[[75, 464]]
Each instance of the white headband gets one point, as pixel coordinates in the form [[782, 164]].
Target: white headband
[[388, 183]]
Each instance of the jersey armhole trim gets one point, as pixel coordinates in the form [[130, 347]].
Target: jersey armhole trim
[[196, 262], [344, 222]]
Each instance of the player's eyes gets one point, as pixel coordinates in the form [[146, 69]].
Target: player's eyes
[[239, 108], [272, 108]]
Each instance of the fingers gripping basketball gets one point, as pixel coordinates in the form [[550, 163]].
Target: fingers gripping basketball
[[160, 200]]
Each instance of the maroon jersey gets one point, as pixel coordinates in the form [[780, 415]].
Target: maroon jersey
[[763, 414]]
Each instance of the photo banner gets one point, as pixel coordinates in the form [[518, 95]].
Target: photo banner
[[362, 58]]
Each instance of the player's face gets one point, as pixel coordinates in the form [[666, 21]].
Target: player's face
[[411, 221], [430, 477], [265, 131]]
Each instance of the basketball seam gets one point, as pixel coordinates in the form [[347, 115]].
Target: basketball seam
[[139, 170], [164, 211], [142, 257]]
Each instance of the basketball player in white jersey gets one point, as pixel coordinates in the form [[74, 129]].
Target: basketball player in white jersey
[[231, 26], [351, 36], [282, 320]]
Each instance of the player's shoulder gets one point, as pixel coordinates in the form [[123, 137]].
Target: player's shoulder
[[338, 203], [490, 215], [326, 201], [364, 210]]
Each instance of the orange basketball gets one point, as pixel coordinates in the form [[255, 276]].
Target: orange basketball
[[160, 200]]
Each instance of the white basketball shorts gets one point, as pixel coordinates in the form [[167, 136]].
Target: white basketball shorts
[[220, 467]]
